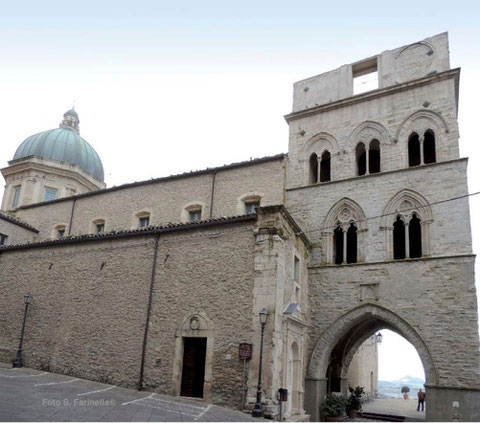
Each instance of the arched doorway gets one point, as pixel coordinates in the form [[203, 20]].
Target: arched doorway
[[334, 350]]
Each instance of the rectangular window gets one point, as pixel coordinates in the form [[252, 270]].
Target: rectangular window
[[251, 207], [194, 215], [3, 239], [365, 76], [100, 228], [144, 221], [50, 194], [16, 196], [60, 233], [296, 269]]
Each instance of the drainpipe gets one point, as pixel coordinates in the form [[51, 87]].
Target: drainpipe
[[71, 216], [149, 310], [212, 193]]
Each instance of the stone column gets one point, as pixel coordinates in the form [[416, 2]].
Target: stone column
[[407, 242], [420, 140], [367, 160], [315, 391]]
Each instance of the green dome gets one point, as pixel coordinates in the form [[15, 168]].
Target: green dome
[[63, 144]]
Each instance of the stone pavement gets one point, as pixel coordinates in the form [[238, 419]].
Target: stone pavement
[[398, 407], [33, 395]]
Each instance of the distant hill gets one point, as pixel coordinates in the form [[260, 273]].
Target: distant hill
[[393, 388]]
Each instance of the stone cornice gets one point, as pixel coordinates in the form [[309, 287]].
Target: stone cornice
[[381, 92], [380, 174], [388, 262]]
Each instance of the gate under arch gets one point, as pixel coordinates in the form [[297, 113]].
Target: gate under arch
[[336, 346]]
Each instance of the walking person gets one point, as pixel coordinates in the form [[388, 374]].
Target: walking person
[[421, 400]]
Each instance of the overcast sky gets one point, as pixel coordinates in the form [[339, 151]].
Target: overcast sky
[[164, 87]]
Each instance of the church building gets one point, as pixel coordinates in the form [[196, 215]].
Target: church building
[[184, 284]]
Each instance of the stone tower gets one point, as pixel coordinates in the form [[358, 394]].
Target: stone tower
[[376, 181], [52, 164]]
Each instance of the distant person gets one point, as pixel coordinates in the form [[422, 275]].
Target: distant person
[[421, 399]]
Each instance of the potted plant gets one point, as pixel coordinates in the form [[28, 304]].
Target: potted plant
[[333, 407], [354, 401], [405, 391]]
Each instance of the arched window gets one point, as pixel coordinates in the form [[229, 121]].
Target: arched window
[[338, 244], [429, 155], [398, 239], [413, 150], [325, 167], [361, 157], [313, 168], [345, 225], [374, 157], [415, 237], [352, 244]]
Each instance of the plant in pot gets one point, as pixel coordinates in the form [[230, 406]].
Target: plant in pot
[[333, 407], [354, 401], [405, 391]]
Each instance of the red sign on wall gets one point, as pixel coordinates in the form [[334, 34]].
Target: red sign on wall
[[245, 350]]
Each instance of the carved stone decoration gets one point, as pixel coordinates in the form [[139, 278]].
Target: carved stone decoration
[[345, 215], [369, 291], [410, 59], [194, 323]]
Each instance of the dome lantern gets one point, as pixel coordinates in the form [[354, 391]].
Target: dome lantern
[[71, 120]]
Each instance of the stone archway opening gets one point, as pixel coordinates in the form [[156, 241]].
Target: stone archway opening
[[336, 347]]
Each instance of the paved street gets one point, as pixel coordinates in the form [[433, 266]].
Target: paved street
[[33, 395], [398, 407]]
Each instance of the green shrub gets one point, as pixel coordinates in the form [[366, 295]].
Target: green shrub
[[334, 405], [405, 389], [354, 401]]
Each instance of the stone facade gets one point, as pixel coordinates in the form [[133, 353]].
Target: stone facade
[[364, 226]]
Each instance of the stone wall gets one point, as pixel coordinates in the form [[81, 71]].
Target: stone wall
[[436, 299], [16, 234], [363, 370], [90, 301], [164, 199], [390, 117], [402, 64]]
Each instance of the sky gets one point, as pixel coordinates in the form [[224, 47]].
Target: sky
[[164, 87]]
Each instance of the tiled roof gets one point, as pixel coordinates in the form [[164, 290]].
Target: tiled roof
[[18, 222], [170, 227], [162, 179]]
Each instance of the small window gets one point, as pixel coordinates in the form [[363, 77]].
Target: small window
[[352, 244], [413, 150], [313, 179], [415, 237], [50, 194], [194, 215], [429, 155], [365, 76], [374, 157], [361, 156], [251, 206], [16, 196], [61, 233], [338, 244], [296, 269], [325, 167], [100, 228], [399, 239], [143, 221], [3, 239]]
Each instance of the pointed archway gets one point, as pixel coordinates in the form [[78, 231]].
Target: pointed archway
[[334, 350]]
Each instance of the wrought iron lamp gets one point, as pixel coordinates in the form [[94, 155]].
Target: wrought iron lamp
[[258, 410], [27, 299]]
